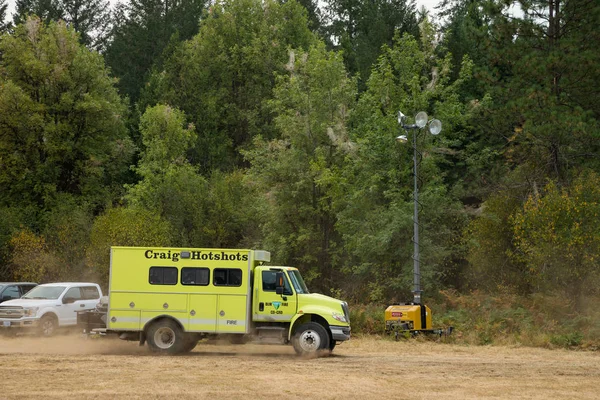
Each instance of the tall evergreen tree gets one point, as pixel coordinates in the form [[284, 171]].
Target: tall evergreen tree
[[314, 14], [4, 25], [549, 93], [61, 121], [90, 18], [142, 31], [361, 27], [46, 10]]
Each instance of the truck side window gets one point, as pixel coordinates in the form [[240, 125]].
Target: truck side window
[[90, 293], [11, 292], [163, 276], [227, 277], [195, 276], [73, 293], [269, 282]]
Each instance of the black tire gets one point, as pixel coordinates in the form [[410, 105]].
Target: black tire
[[332, 344], [310, 338], [48, 326], [191, 340], [166, 337]]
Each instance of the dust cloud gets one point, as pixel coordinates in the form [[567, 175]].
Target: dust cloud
[[69, 344]]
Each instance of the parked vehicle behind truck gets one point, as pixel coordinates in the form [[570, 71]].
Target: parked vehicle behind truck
[[14, 290], [48, 307], [172, 297]]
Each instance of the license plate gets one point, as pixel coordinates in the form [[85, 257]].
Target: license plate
[[6, 323]]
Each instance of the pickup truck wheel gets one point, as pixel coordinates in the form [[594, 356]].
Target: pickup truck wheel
[[48, 325], [310, 338], [165, 336]]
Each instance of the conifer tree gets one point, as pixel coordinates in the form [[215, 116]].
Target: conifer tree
[[4, 25], [143, 30], [90, 18], [46, 10]]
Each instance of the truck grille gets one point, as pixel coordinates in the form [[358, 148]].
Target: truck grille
[[346, 311], [11, 312]]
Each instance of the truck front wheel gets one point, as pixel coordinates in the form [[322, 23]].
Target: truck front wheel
[[48, 325], [310, 338], [165, 336]]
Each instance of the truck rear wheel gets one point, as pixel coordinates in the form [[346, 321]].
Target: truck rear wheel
[[165, 336], [310, 338], [191, 340]]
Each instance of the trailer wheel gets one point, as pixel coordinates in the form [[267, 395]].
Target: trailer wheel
[[310, 338], [165, 336], [48, 325]]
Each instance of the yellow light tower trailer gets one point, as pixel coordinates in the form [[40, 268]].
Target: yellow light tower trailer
[[415, 317], [173, 297]]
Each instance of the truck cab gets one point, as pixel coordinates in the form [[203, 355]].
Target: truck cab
[[282, 298]]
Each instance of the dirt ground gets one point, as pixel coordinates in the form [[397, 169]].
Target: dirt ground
[[71, 367]]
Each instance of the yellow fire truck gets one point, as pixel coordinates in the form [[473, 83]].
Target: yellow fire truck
[[173, 297]]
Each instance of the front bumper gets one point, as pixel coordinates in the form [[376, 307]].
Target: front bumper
[[340, 333], [7, 323]]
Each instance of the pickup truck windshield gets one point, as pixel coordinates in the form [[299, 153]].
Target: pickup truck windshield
[[298, 282], [45, 292]]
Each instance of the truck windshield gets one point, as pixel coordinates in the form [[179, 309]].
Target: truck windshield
[[45, 292], [298, 282]]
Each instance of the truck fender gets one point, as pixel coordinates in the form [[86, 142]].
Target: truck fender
[[150, 322], [49, 311], [307, 316]]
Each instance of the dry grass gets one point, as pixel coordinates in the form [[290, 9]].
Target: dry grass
[[364, 368]]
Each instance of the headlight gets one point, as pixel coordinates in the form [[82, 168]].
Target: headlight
[[30, 311], [339, 317]]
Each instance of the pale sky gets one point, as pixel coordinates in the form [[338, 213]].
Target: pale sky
[[429, 4]]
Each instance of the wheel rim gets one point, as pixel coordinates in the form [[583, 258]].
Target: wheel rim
[[310, 341], [164, 337], [48, 327]]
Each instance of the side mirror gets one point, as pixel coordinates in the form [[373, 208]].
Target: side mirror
[[68, 300], [279, 283]]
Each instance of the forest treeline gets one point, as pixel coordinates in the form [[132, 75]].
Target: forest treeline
[[272, 124]]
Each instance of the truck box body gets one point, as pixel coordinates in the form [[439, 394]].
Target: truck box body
[[205, 290]]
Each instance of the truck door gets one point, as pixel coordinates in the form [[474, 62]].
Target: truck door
[[72, 302], [77, 298], [232, 303], [269, 306]]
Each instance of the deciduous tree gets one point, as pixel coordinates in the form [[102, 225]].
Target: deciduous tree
[[224, 76], [61, 120], [556, 237]]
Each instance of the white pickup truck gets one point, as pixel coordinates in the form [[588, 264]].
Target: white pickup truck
[[48, 307]]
